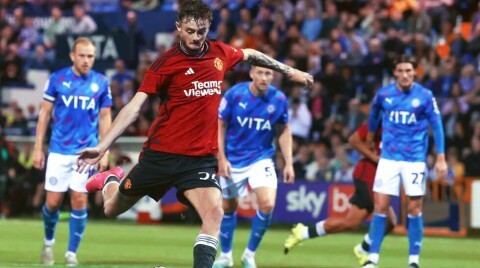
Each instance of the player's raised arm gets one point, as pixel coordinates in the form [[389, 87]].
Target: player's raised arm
[[258, 58], [129, 113]]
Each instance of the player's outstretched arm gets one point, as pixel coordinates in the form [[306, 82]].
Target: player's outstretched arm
[[43, 119], [257, 58], [90, 156], [105, 123], [285, 143]]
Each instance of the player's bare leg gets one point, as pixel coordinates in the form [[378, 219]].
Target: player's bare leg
[[208, 204]]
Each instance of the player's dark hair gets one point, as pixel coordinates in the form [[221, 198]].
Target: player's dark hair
[[82, 40], [195, 9], [405, 59]]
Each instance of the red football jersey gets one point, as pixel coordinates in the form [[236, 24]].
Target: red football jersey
[[365, 168], [190, 88]]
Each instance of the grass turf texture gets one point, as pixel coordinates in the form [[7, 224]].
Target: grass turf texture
[[121, 244]]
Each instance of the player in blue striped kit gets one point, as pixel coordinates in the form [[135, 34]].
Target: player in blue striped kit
[[251, 114], [80, 99], [406, 109]]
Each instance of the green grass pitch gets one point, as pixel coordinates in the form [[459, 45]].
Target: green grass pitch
[[121, 244]]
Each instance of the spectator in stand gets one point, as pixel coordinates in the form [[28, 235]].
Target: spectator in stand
[[55, 27], [83, 23], [301, 161], [472, 168], [227, 22], [16, 21], [312, 25], [354, 117], [319, 169], [135, 37], [32, 119], [28, 37], [39, 61], [437, 10], [300, 120], [121, 74], [19, 125]]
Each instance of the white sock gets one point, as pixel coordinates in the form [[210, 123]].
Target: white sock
[[69, 253], [104, 190], [248, 253], [373, 257], [320, 228], [305, 233], [49, 242], [367, 239], [413, 259], [226, 254]]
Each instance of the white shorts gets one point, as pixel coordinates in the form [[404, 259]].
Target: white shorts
[[389, 173], [61, 174], [259, 174]]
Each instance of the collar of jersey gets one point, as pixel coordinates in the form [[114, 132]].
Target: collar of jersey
[[206, 46]]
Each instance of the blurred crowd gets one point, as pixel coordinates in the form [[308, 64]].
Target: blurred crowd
[[347, 45]]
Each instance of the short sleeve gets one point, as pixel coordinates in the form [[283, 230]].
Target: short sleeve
[[106, 97], [284, 116], [362, 131], [151, 82], [224, 110], [49, 91], [234, 55]]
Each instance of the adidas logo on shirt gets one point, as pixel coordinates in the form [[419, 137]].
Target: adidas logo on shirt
[[189, 71]]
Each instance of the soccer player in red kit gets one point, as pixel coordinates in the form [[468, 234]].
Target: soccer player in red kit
[[182, 141], [361, 200]]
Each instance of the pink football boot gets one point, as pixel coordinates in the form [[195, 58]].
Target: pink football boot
[[97, 181]]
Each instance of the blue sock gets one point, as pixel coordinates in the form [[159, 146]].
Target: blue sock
[[377, 232], [50, 219], [260, 224], [78, 221], [415, 233], [229, 223]]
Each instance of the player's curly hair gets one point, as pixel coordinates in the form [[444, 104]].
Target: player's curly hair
[[195, 9], [405, 59]]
